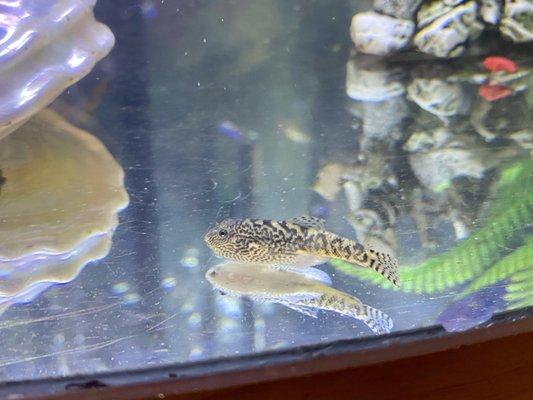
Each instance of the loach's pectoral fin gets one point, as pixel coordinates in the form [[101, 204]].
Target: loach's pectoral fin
[[309, 311], [303, 259]]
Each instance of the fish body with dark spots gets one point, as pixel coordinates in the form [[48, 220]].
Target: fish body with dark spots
[[308, 296], [296, 243], [350, 306]]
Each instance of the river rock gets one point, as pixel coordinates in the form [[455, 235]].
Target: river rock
[[404, 9], [447, 35], [517, 20], [490, 11], [379, 34]]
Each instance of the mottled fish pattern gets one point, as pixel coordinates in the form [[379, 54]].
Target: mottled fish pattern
[[262, 284], [299, 242], [351, 306]]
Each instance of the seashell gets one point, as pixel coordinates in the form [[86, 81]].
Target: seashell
[[447, 35], [490, 11], [517, 20], [379, 34], [45, 46], [25, 279], [61, 187], [403, 9], [59, 202]]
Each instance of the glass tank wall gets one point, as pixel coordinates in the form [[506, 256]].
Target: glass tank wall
[[258, 109]]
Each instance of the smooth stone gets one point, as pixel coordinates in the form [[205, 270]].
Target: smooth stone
[[381, 121], [372, 80], [439, 156], [379, 34], [439, 97]]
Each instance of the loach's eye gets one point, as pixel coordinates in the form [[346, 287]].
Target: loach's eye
[[223, 233]]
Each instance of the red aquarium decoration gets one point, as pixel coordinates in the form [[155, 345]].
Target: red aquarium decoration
[[494, 92], [495, 64]]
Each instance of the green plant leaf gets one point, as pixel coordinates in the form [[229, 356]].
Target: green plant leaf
[[520, 260], [510, 212]]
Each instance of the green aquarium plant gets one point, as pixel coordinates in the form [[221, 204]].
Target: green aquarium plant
[[488, 255]]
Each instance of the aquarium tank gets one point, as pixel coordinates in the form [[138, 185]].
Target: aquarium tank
[[191, 188]]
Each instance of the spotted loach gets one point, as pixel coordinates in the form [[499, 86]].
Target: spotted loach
[[291, 244]]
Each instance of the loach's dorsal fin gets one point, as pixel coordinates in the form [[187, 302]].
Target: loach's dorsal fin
[[308, 222]]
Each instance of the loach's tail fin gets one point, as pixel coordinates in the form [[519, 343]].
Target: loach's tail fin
[[376, 320], [329, 245], [384, 264]]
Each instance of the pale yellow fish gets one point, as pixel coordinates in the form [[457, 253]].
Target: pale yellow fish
[[263, 284]]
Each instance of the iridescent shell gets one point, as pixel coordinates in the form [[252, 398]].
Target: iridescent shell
[[61, 187], [45, 46], [32, 278], [59, 202]]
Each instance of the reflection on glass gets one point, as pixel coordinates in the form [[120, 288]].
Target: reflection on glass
[[60, 196], [298, 292], [250, 117], [467, 148]]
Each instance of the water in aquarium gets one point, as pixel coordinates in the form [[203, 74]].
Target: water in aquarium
[[235, 177]]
